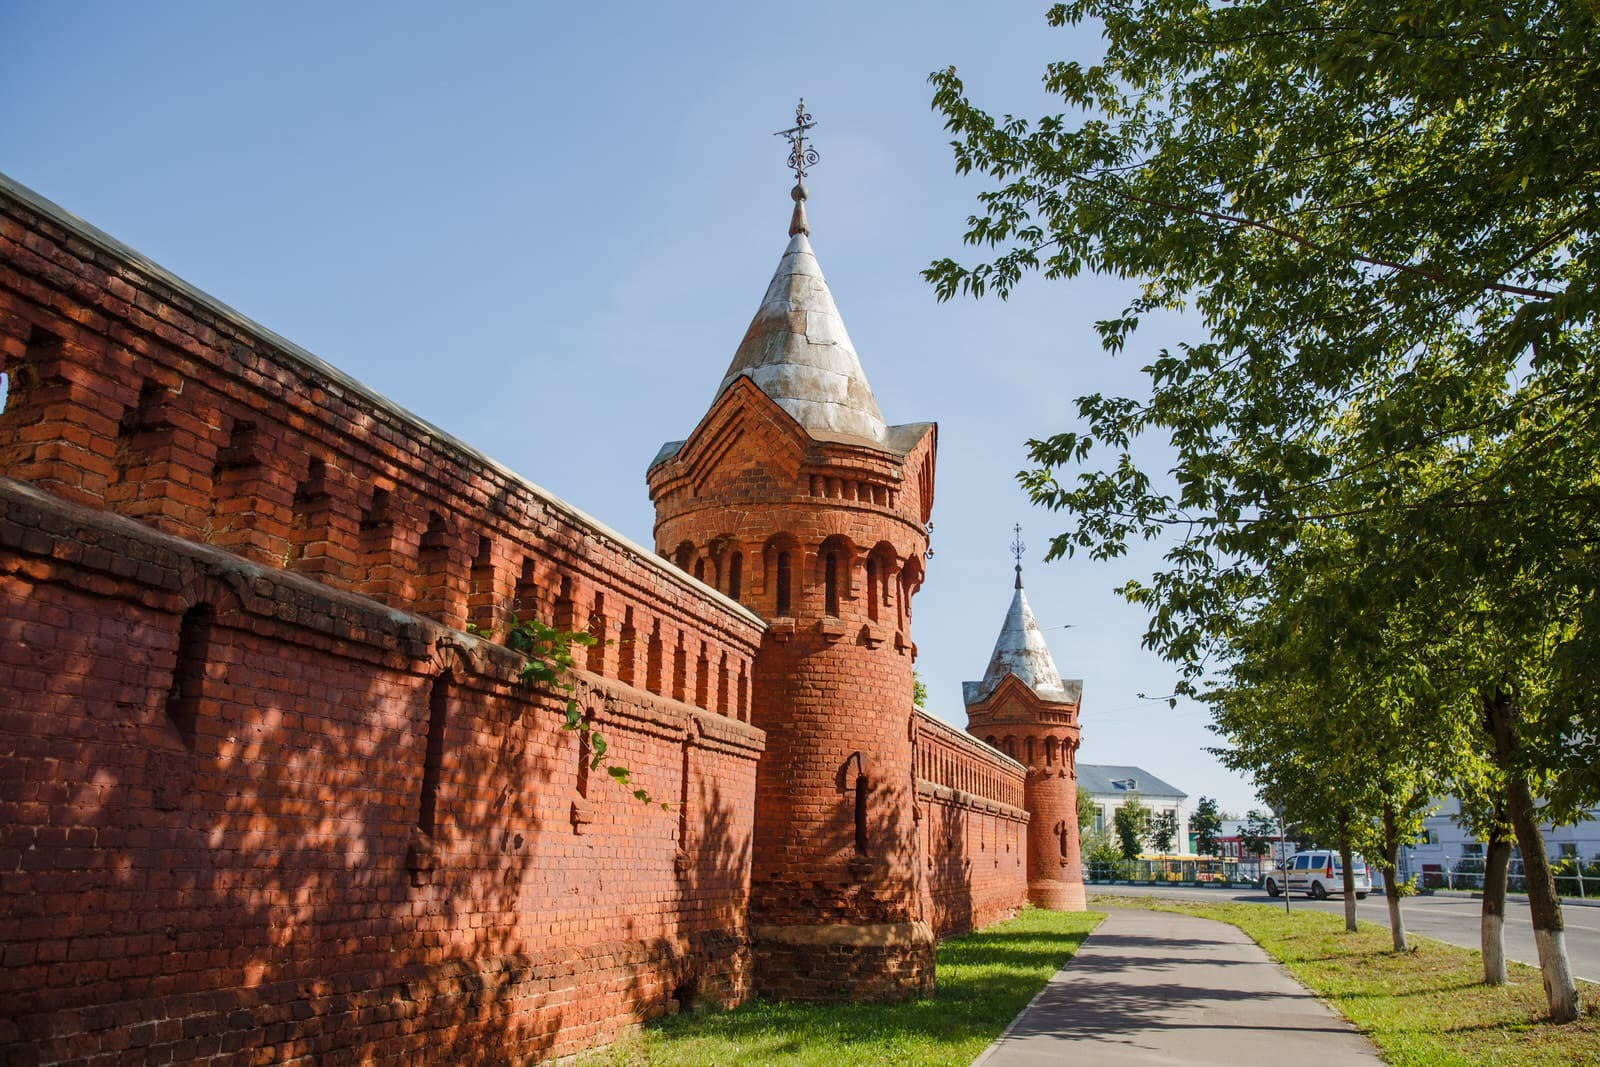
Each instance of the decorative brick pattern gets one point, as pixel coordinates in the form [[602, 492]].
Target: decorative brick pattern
[[836, 842], [127, 391]]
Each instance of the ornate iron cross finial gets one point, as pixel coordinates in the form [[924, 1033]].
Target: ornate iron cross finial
[[1017, 549], [800, 155]]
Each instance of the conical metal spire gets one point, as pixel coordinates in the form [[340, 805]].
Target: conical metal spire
[[1020, 650], [797, 350]]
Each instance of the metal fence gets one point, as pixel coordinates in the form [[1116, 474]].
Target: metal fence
[[1172, 871], [1573, 878]]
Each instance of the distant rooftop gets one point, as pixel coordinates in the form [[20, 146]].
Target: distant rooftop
[[1106, 778]]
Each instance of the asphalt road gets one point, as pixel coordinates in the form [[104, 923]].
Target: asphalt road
[[1444, 917]]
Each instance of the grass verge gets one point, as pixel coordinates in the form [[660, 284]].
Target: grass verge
[[984, 980], [1423, 1008]]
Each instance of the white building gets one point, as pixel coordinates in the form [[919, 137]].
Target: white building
[[1111, 786], [1444, 844]]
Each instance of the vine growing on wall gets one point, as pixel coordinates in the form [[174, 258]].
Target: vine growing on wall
[[548, 662]]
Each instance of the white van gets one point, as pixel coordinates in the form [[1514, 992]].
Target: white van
[[1319, 873]]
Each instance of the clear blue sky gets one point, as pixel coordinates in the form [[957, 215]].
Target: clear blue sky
[[544, 227]]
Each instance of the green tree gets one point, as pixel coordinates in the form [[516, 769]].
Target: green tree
[[1332, 696], [1206, 823], [1275, 733], [1132, 822], [1100, 849], [1087, 810], [1164, 831], [1385, 222], [919, 691], [1258, 833]]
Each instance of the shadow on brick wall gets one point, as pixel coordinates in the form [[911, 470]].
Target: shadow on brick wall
[[950, 871], [714, 898], [210, 839]]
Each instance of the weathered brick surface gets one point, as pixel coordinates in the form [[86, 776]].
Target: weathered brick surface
[[130, 392], [264, 799], [258, 896], [829, 538], [221, 858], [872, 962]]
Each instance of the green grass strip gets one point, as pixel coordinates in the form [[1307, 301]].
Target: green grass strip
[[1424, 1008], [984, 980]]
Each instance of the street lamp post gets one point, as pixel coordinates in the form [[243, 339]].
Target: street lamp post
[[1281, 843]]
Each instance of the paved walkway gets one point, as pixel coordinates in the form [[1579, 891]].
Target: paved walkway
[[1153, 987]]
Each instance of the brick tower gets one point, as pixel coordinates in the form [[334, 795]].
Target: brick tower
[[792, 497], [1023, 708]]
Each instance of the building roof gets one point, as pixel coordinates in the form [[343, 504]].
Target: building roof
[[1104, 778], [1020, 650], [798, 352]]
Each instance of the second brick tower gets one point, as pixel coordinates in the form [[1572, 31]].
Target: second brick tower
[[1023, 707]]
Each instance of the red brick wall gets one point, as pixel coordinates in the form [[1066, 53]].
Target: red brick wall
[[214, 851], [260, 890], [234, 586], [974, 829], [130, 391]]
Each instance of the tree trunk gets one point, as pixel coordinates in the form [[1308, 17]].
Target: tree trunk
[[1345, 856], [1561, 993], [1391, 871], [1549, 930], [1496, 863]]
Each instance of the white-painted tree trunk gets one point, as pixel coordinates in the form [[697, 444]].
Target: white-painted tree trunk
[[1346, 855], [1544, 906], [1391, 874], [1492, 935], [1496, 865], [1559, 988]]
